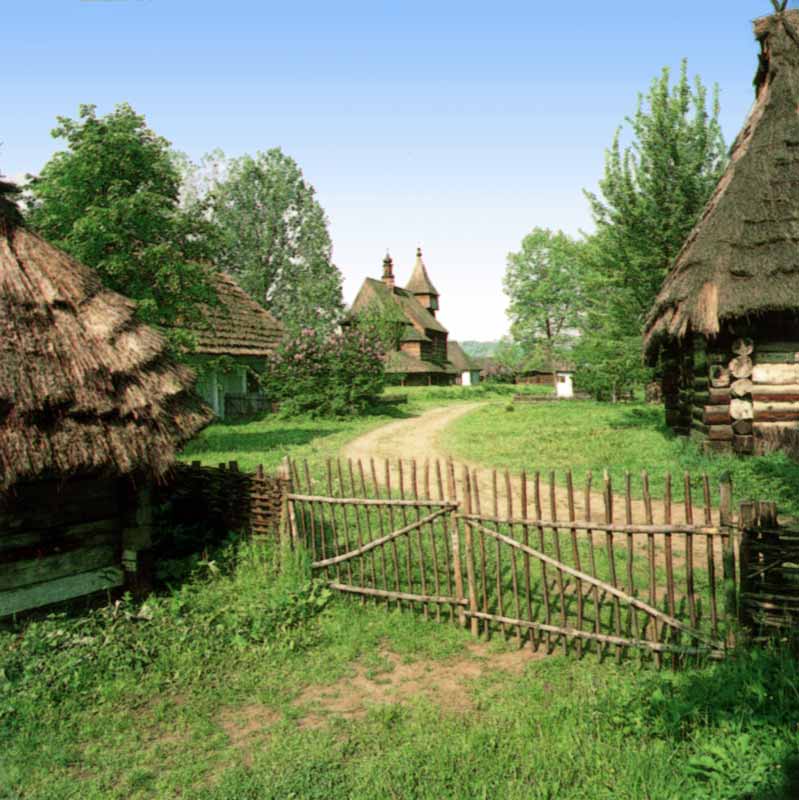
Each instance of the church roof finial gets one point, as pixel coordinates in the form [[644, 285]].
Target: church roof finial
[[420, 282]]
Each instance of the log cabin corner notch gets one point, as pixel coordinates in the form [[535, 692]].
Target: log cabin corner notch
[[92, 412], [725, 325]]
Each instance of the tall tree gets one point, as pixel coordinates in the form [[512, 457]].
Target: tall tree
[[542, 281], [111, 201], [275, 239], [652, 194]]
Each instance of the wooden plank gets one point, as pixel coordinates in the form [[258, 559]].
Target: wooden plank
[[24, 545], [711, 557], [689, 551], [60, 565], [592, 560], [445, 539], [394, 550], [628, 518], [650, 551], [670, 594], [419, 539], [56, 591], [433, 544]]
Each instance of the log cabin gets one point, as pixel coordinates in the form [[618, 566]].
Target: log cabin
[[92, 412], [724, 328]]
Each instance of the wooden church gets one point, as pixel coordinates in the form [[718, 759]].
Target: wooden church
[[420, 357], [725, 325]]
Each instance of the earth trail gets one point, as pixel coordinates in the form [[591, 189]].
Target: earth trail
[[418, 438]]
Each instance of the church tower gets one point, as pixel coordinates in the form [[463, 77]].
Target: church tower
[[421, 286]]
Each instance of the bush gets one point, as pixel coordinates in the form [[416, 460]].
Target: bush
[[332, 375]]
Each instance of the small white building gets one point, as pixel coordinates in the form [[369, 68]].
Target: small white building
[[467, 371], [564, 384]]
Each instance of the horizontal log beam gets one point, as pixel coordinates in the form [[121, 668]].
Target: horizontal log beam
[[605, 638], [356, 501], [389, 595], [775, 374], [720, 433]]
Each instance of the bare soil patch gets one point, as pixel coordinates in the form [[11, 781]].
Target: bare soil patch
[[444, 683]]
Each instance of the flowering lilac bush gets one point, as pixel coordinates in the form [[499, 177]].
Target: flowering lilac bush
[[326, 375]]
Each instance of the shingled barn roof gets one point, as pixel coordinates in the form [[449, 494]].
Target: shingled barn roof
[[458, 358], [238, 325], [420, 282], [742, 258], [84, 386], [395, 302]]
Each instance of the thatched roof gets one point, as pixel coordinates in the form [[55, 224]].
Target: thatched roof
[[238, 325], [84, 386], [742, 258], [459, 359], [395, 302], [420, 282]]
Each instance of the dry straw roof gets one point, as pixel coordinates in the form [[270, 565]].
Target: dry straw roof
[[742, 258], [238, 325], [84, 387], [420, 282]]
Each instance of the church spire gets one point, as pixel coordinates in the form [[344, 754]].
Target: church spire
[[421, 286]]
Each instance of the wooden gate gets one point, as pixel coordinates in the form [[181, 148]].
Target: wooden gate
[[526, 557]]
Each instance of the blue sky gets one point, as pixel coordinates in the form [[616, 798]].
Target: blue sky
[[455, 125]]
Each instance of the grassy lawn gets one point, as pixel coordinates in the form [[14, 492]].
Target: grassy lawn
[[202, 693], [268, 440], [583, 435], [233, 685]]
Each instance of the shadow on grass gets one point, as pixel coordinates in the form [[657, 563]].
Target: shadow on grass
[[224, 440], [648, 418]]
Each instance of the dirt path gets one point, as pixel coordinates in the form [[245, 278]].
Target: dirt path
[[418, 438]]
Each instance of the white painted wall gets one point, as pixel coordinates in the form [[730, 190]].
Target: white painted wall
[[564, 386]]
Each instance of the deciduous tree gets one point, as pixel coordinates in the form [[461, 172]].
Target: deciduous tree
[[110, 199], [275, 239], [651, 195], [542, 281]]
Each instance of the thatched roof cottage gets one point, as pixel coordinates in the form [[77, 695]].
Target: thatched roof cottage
[[236, 337], [725, 325], [92, 410], [420, 358]]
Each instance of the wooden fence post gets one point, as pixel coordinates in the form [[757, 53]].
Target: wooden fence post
[[747, 520], [452, 496], [726, 523], [287, 521], [467, 535]]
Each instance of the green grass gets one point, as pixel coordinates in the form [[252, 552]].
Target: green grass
[[584, 435], [130, 702]]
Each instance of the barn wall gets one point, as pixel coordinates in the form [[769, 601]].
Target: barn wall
[[61, 541]]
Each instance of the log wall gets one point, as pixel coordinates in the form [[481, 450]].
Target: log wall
[[745, 391], [60, 541]]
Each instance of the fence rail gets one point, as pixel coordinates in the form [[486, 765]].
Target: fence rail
[[594, 571]]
